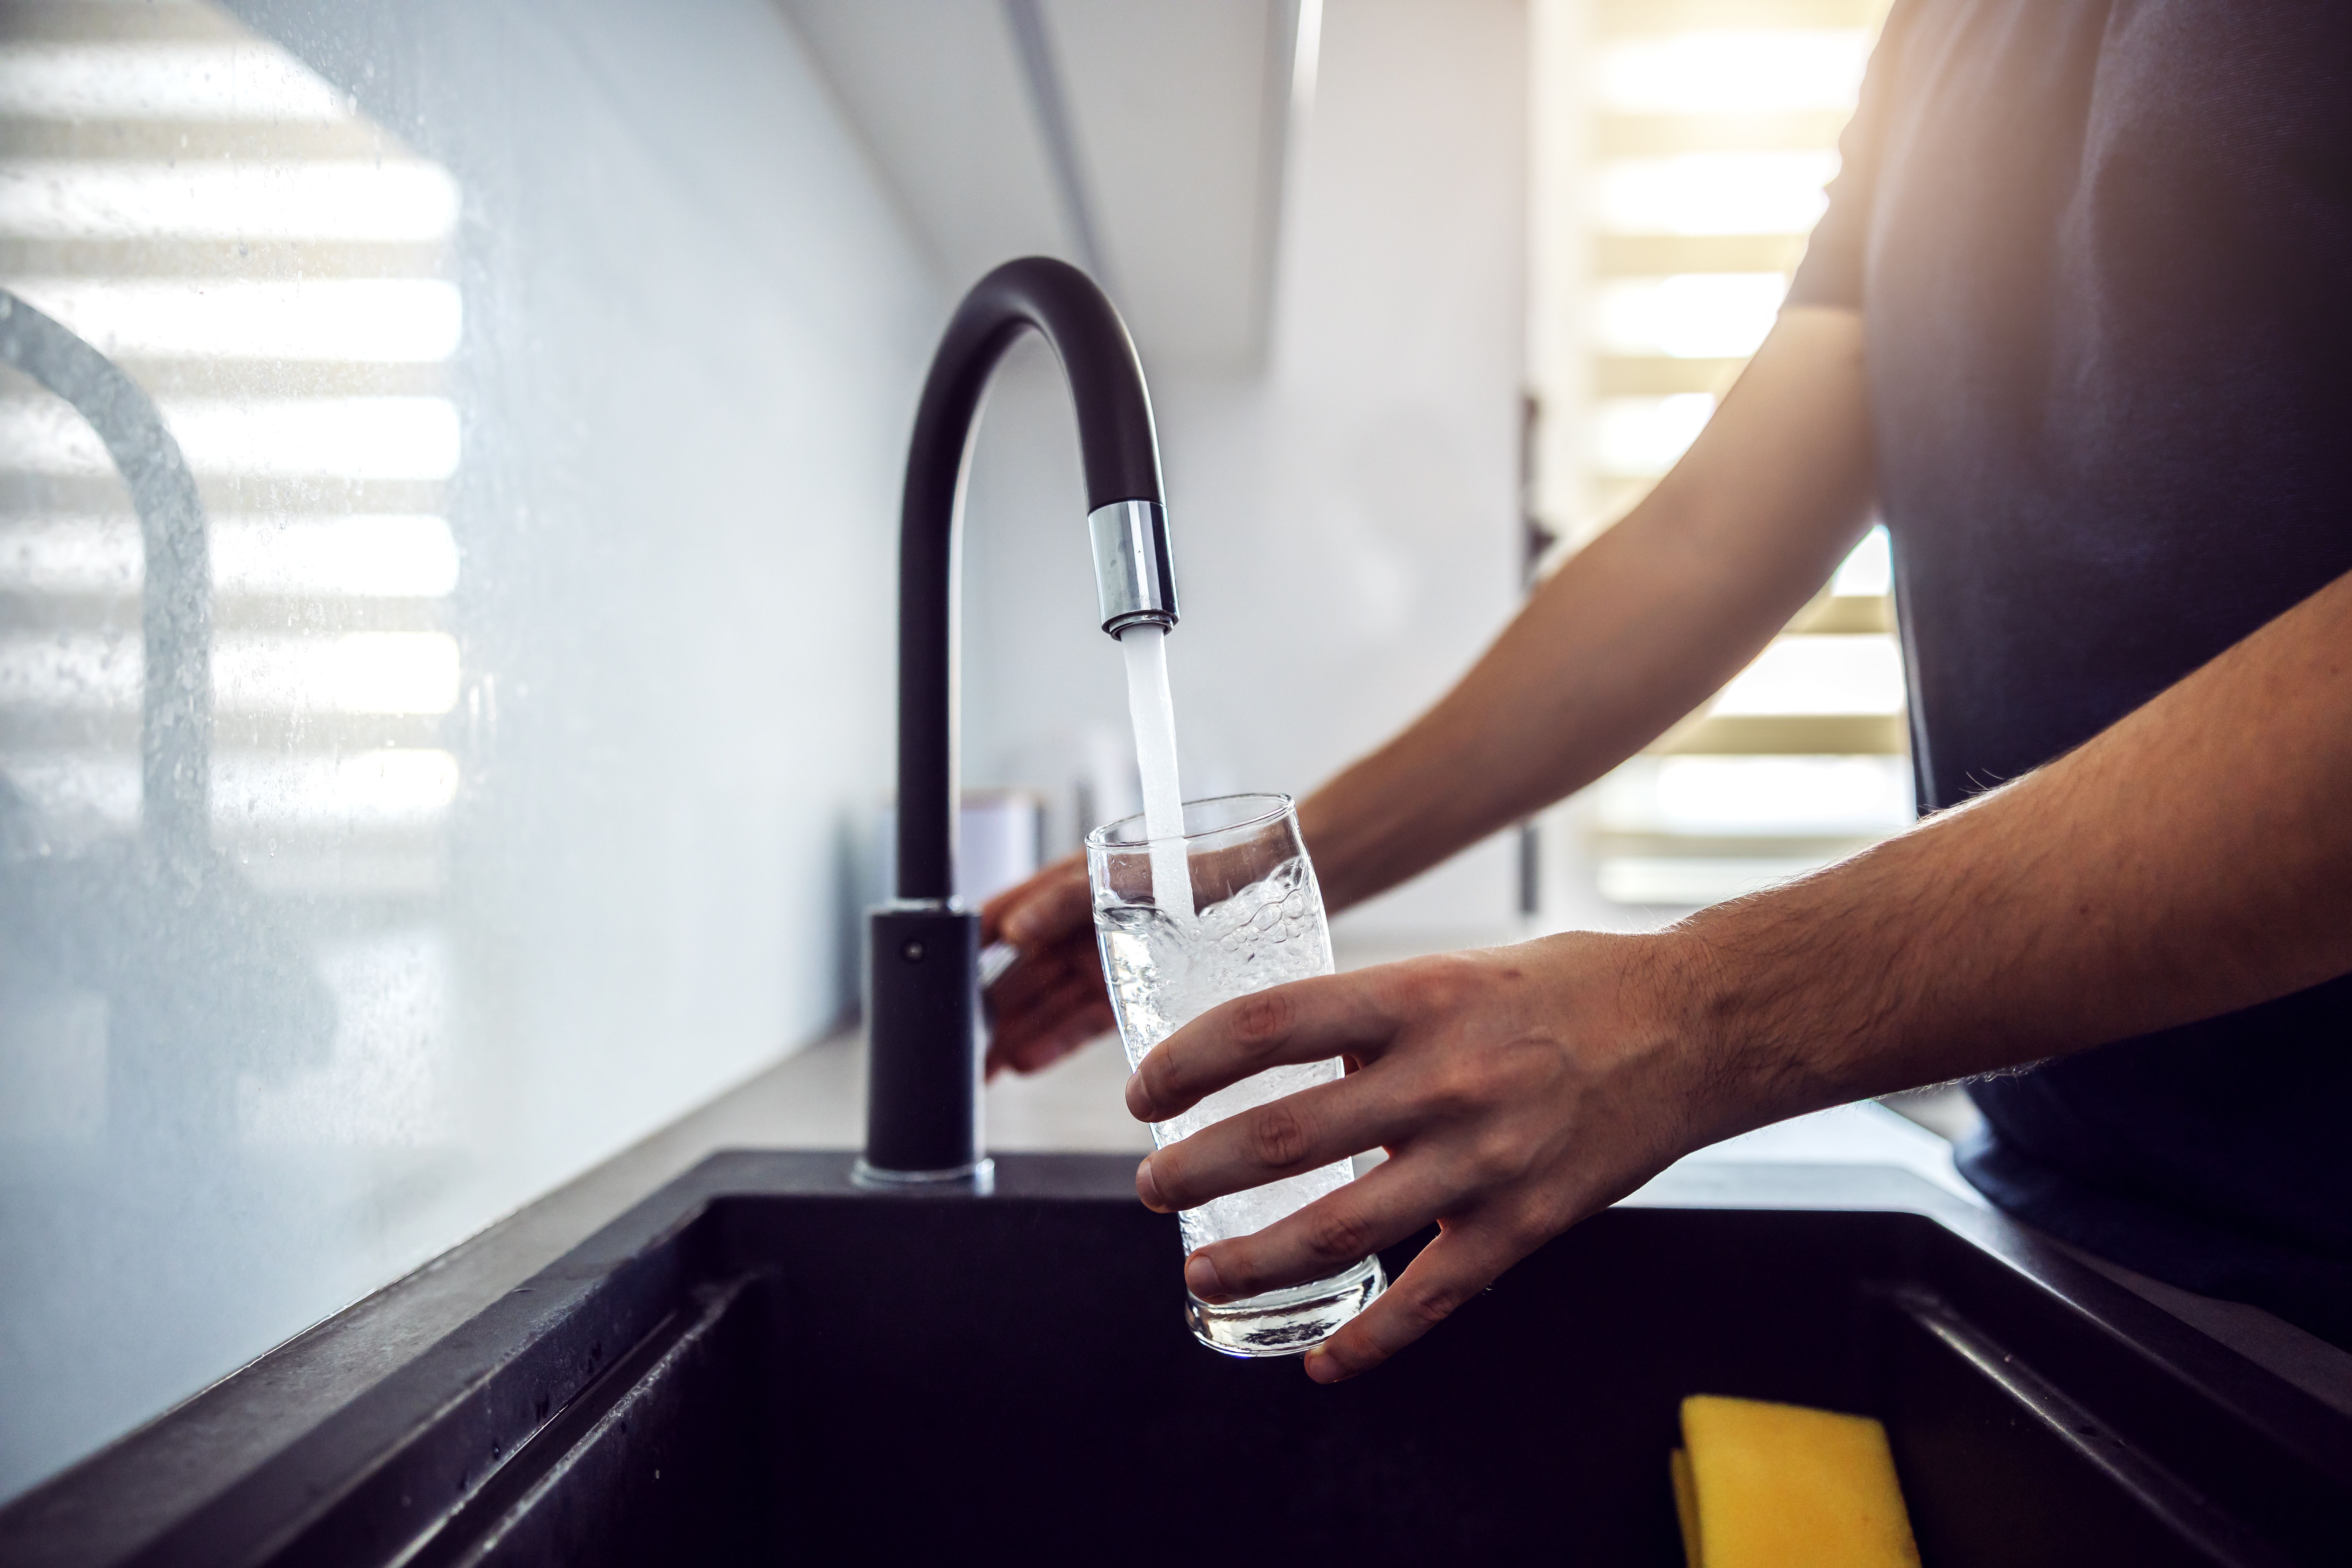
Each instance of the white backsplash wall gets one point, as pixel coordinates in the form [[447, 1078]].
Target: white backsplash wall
[[1345, 523], [570, 854]]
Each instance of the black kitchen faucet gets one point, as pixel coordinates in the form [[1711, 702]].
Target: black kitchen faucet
[[922, 1014]]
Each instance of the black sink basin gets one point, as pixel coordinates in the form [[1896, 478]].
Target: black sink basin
[[762, 1363]]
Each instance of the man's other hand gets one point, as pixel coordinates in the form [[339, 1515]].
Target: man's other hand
[[1051, 1001]]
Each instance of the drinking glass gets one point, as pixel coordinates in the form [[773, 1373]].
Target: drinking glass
[[1260, 923]]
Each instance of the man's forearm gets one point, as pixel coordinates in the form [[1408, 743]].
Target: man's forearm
[[1633, 632], [2193, 858]]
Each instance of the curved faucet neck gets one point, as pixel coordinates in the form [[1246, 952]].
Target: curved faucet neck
[[1120, 453]]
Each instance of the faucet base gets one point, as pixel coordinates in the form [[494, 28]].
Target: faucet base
[[978, 1178], [923, 1036]]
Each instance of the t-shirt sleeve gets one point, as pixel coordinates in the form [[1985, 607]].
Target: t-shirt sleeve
[[1830, 273]]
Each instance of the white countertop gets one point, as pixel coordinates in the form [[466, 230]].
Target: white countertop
[[816, 1100]]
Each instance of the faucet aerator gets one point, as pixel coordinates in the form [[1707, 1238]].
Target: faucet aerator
[[1135, 578]]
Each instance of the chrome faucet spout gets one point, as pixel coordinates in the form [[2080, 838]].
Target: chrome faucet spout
[[1135, 580], [923, 1015]]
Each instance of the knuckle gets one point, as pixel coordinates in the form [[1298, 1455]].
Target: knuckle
[[1278, 1135], [1461, 1086], [1444, 983], [1430, 1308], [1264, 1019], [1167, 1179], [1496, 1159], [1536, 1218], [1240, 1268], [1339, 1236]]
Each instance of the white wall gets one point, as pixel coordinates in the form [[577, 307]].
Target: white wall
[[1346, 524], [693, 333], [694, 330]]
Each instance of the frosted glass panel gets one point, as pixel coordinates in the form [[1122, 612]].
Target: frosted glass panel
[[459, 786]]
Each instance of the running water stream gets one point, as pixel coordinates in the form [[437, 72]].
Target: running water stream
[[1154, 717]]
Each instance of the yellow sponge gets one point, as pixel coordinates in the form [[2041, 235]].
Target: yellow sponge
[[1779, 1486], [1686, 1506]]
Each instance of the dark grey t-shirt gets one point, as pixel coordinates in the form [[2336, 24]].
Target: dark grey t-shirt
[[2103, 255]]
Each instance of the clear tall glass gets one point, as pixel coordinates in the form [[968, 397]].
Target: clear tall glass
[[1260, 923]]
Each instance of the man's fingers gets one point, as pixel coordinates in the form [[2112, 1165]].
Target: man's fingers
[[1050, 1027], [1049, 904], [1464, 1261], [1051, 1000], [1250, 1148], [1305, 1021], [1380, 1209], [1041, 971], [1086, 1020]]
